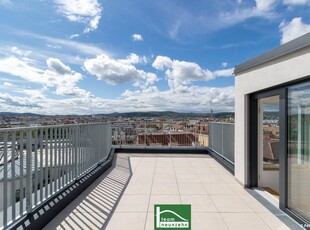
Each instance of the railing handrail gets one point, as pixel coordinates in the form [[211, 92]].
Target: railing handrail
[[221, 122], [50, 126]]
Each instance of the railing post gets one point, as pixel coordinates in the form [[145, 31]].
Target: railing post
[[76, 135], [222, 139], [28, 172], [5, 180], [13, 188], [41, 164]]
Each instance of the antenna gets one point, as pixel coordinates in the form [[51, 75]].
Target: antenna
[[235, 54]]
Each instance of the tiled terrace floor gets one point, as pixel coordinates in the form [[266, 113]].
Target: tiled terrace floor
[[218, 201]]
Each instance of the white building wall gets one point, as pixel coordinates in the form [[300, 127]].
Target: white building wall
[[282, 70]]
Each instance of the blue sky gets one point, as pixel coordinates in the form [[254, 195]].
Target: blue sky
[[92, 56]]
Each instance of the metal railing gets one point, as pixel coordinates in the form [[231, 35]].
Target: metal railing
[[38, 162], [222, 139]]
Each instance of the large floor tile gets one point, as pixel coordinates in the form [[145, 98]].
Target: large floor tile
[[254, 204], [138, 188], [133, 203], [187, 178], [148, 159], [209, 178], [144, 170], [165, 178], [141, 178], [163, 199], [184, 170], [199, 203], [164, 164], [191, 188], [273, 222], [227, 178], [128, 221], [244, 221], [88, 221], [212, 221], [149, 222], [164, 170], [165, 188], [204, 170], [230, 203], [218, 189], [239, 189]]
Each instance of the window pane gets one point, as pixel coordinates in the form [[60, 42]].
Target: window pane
[[298, 149]]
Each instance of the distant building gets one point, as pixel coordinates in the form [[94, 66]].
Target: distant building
[[203, 140], [168, 139]]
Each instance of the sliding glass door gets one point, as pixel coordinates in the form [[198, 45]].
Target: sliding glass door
[[298, 158], [268, 144]]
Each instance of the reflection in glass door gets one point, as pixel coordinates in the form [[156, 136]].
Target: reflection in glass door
[[268, 144], [299, 149]]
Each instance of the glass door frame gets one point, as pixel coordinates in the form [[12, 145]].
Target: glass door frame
[[253, 141]]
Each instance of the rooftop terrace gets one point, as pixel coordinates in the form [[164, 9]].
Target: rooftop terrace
[[124, 196]]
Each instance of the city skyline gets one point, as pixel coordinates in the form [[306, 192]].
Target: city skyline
[[90, 57]]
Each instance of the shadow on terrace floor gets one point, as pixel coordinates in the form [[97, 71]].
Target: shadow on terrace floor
[[93, 207]]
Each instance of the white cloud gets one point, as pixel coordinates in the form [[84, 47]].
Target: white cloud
[[82, 11], [137, 37], [82, 48], [296, 2], [9, 100], [182, 73], [223, 73], [120, 71], [262, 8], [53, 46], [162, 62], [20, 52], [21, 67], [189, 98], [133, 59], [8, 84], [224, 64], [31, 93], [57, 66], [293, 29], [265, 5], [74, 36], [56, 75], [64, 79]]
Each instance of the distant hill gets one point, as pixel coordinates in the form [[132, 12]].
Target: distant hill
[[150, 114], [19, 114], [170, 114]]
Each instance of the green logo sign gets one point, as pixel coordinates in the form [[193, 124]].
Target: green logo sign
[[168, 217]]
